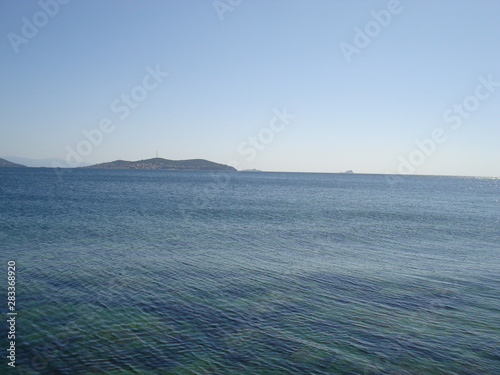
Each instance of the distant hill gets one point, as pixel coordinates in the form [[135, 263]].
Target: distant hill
[[5, 163], [165, 164]]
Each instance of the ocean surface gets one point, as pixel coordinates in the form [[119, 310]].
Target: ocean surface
[[176, 272]]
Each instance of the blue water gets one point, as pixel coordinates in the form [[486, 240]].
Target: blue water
[[167, 272]]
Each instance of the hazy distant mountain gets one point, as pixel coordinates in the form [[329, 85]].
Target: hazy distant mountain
[[165, 164], [5, 163], [49, 162]]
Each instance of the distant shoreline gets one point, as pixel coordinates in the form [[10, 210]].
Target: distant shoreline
[[250, 173]]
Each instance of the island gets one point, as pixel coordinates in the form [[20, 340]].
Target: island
[[8, 164], [165, 164]]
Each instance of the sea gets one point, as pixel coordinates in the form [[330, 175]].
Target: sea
[[191, 272]]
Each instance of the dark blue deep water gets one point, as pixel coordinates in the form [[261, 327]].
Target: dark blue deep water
[[166, 272]]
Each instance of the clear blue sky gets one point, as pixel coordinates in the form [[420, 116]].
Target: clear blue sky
[[230, 70]]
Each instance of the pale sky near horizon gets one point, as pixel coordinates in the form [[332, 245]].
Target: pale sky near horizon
[[357, 83]]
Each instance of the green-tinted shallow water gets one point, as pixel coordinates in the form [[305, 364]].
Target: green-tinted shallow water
[[163, 272]]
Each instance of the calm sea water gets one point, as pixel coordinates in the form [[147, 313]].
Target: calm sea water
[[165, 272]]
